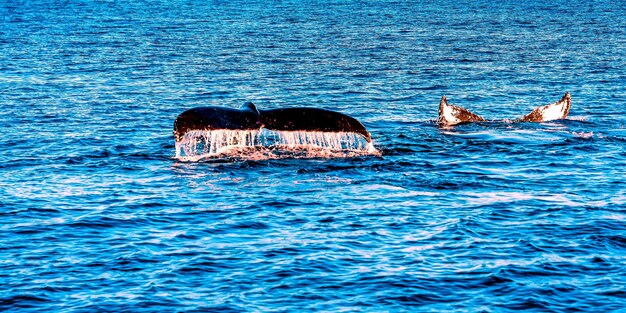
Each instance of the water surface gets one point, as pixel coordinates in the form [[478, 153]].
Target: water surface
[[98, 214]]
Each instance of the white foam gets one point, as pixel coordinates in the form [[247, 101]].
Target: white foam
[[584, 135], [582, 118]]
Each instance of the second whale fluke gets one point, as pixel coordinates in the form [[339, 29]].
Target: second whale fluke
[[450, 115]]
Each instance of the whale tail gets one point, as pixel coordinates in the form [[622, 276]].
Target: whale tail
[[452, 115], [550, 112], [248, 117]]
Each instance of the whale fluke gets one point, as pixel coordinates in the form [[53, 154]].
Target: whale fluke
[[311, 119], [248, 117], [550, 112], [452, 115]]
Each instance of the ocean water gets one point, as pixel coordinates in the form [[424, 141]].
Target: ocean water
[[98, 215]]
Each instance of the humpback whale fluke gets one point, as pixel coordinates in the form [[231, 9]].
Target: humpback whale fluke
[[451, 114], [248, 117], [550, 112]]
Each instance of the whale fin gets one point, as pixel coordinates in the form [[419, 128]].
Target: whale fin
[[550, 112], [451, 114]]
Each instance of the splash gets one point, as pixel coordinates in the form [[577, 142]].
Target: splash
[[267, 144]]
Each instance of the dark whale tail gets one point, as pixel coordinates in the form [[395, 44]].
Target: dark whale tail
[[248, 117], [452, 115], [550, 112], [311, 119]]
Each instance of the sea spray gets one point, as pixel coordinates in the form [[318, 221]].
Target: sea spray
[[209, 143]]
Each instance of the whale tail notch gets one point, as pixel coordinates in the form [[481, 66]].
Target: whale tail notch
[[450, 115], [550, 112]]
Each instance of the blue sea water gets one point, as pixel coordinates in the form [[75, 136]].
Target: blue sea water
[[98, 215]]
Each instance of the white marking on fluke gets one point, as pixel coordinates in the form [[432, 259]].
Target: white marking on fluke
[[550, 112], [451, 114]]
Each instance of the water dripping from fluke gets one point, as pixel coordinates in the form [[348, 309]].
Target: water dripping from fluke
[[263, 144]]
